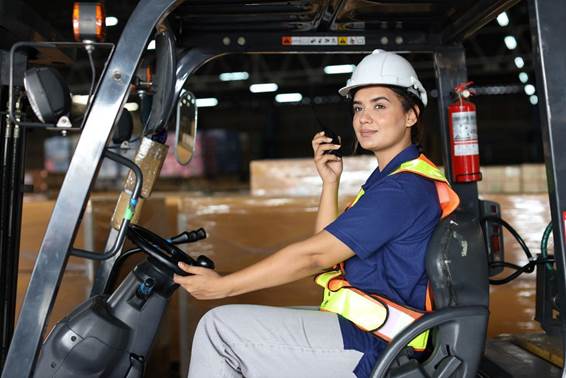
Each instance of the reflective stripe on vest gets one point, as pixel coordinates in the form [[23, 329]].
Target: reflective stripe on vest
[[371, 312]]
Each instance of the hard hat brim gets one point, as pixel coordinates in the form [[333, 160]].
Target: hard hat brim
[[345, 91]]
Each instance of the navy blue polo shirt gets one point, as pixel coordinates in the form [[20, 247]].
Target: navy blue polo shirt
[[388, 229]]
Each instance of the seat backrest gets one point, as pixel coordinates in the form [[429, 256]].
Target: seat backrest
[[457, 268], [456, 262]]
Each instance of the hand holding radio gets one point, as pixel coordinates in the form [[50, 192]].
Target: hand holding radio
[[329, 133], [328, 156]]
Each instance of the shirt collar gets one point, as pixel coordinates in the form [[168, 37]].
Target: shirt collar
[[409, 153]]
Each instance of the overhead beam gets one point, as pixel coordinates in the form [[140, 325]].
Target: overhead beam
[[474, 19], [320, 42]]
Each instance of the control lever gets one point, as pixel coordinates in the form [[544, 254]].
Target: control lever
[[189, 236]]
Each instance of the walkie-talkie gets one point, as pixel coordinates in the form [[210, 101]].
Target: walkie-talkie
[[328, 132], [335, 140]]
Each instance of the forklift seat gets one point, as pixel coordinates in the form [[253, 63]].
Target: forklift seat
[[457, 268]]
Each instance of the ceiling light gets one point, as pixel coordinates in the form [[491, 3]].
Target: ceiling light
[[207, 102], [288, 97], [233, 76], [111, 21], [529, 89], [339, 69], [132, 106], [151, 45], [533, 99], [264, 87], [502, 19], [79, 99], [523, 77], [498, 89], [510, 42], [519, 62]]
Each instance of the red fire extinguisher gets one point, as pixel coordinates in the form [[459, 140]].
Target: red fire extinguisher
[[464, 149]]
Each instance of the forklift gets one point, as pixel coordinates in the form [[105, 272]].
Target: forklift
[[463, 253]]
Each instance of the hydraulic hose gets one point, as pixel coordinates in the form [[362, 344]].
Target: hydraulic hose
[[533, 262], [513, 232], [544, 243]]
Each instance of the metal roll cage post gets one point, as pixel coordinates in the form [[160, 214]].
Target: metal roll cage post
[[550, 72], [54, 250], [119, 242], [187, 64], [162, 104]]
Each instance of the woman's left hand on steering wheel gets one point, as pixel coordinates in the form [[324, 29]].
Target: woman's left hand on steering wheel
[[202, 283]]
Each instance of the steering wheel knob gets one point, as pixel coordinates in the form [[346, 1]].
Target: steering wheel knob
[[205, 262]]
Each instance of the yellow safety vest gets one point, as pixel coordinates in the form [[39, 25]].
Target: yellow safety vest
[[372, 312]]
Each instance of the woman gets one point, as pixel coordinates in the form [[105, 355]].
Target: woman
[[381, 239]]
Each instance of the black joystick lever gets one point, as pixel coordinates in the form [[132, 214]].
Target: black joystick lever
[[189, 236]]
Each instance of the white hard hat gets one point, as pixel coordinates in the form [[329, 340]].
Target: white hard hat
[[383, 67]]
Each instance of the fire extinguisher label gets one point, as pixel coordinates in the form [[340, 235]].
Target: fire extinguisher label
[[465, 133]]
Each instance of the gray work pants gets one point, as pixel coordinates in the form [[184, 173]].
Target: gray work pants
[[268, 342]]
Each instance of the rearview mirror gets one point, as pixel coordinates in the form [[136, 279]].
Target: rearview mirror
[[185, 127]]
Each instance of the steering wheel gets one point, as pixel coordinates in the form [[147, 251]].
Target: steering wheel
[[164, 252]]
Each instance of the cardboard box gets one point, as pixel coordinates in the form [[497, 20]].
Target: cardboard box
[[298, 177], [73, 291], [77, 280], [534, 178], [511, 179], [241, 231], [36, 213]]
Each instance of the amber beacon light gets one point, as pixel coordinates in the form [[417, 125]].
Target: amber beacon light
[[89, 22]]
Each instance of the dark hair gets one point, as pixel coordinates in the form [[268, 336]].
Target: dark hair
[[409, 101]]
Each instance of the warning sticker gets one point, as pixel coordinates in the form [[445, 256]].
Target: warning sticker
[[323, 41], [466, 149], [465, 133], [464, 126]]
